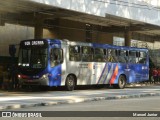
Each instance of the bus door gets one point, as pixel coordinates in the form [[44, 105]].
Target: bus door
[[85, 73], [133, 67], [100, 70], [56, 59], [100, 67], [144, 69], [86, 65], [135, 72]]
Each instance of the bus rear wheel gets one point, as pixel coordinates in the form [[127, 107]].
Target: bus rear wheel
[[70, 83], [121, 82]]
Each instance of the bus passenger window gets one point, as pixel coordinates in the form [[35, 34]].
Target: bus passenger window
[[87, 54], [112, 55], [142, 57], [99, 55], [56, 56], [74, 53], [123, 56], [132, 57], [109, 55]]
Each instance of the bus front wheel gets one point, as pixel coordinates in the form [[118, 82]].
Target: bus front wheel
[[70, 83], [121, 81]]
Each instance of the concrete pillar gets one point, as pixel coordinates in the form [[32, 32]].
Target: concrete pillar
[[88, 33], [127, 38], [38, 31]]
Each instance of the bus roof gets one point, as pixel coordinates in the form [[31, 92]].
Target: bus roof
[[96, 45]]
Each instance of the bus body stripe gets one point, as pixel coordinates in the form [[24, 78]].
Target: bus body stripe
[[110, 73], [114, 75], [107, 74], [102, 73]]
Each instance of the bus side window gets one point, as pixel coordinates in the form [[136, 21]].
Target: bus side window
[[87, 54], [111, 55], [110, 59], [132, 57], [56, 56], [74, 53], [99, 55], [122, 56], [142, 57]]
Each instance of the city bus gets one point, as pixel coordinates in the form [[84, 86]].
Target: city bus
[[53, 62]]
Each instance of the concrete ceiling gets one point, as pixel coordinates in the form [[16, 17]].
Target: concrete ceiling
[[24, 12]]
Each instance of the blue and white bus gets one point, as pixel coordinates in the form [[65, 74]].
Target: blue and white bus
[[53, 62]]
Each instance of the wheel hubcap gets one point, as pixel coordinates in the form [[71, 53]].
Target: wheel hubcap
[[70, 81], [121, 81]]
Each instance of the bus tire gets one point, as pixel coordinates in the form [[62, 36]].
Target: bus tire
[[121, 81], [70, 82]]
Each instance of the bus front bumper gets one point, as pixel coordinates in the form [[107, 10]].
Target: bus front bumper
[[41, 81]]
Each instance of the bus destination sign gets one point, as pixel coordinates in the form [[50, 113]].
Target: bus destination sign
[[30, 43]]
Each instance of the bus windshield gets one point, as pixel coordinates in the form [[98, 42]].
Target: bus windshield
[[32, 58]]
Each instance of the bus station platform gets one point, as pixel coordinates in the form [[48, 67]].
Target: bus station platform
[[17, 99]]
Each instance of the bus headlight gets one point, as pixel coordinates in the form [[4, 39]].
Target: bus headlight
[[45, 76], [19, 76]]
